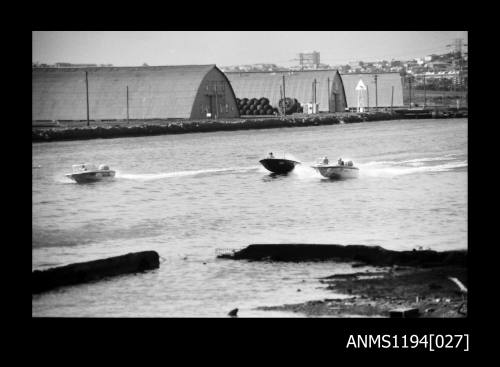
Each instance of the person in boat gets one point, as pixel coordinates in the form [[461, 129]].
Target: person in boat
[[271, 155], [340, 162], [325, 160]]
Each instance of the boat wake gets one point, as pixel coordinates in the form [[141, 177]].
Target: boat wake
[[411, 166], [304, 171], [194, 173]]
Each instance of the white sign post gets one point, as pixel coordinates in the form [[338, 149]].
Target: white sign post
[[361, 91]]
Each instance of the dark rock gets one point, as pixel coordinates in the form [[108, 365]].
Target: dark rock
[[461, 308], [370, 255], [43, 280], [233, 313], [435, 286], [354, 275], [404, 313]]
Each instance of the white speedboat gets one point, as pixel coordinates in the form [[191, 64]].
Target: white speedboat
[[90, 173], [341, 170]]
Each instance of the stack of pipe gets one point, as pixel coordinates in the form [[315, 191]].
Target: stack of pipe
[[255, 106]]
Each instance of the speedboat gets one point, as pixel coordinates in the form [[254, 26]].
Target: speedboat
[[278, 165], [90, 173], [337, 171]]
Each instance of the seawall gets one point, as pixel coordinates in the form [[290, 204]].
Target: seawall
[[118, 129]]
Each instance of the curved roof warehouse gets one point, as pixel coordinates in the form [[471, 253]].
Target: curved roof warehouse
[[298, 84], [154, 92]]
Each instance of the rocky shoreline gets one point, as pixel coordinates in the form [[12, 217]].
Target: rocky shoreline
[[418, 283], [378, 293], [77, 130]]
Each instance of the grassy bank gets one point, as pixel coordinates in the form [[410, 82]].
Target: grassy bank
[[77, 130]]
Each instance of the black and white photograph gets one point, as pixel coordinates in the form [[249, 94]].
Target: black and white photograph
[[250, 174]]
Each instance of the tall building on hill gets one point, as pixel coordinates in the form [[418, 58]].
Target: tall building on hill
[[309, 60]]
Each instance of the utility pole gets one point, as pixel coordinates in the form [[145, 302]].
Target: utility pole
[[367, 97], [376, 92], [127, 107], [457, 62], [409, 83], [87, 92], [392, 96], [284, 96], [314, 84], [283, 102], [329, 99], [216, 102], [443, 97], [312, 92], [466, 91], [425, 94]]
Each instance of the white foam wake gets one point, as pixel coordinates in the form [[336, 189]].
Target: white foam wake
[[157, 176], [381, 169], [448, 157]]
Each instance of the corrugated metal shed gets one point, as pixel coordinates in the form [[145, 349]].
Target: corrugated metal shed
[[154, 92], [385, 82], [298, 84]]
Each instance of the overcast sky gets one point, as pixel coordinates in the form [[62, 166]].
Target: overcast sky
[[224, 48]]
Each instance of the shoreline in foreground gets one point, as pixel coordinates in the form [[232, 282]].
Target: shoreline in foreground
[[417, 283], [378, 293]]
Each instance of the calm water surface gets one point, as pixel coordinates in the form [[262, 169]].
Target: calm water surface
[[186, 196]]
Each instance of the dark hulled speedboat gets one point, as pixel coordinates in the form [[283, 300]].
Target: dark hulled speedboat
[[279, 165]]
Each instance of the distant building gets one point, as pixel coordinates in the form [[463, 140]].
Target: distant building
[[309, 60], [156, 92], [410, 64], [438, 66]]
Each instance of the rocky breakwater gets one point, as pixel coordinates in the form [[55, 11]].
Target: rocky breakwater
[[122, 129]]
